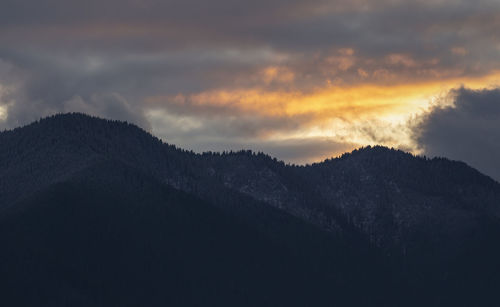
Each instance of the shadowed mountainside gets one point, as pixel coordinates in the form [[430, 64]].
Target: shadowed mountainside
[[98, 212]]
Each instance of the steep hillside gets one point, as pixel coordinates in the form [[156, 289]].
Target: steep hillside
[[98, 212], [114, 236]]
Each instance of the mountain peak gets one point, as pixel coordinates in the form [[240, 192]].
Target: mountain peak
[[79, 120], [79, 130], [416, 210]]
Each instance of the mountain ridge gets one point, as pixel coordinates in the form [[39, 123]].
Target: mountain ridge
[[72, 140], [345, 222]]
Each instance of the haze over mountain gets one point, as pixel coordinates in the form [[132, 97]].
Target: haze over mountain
[[101, 213]]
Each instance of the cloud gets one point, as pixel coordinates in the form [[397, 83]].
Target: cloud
[[301, 150], [230, 72], [46, 87], [271, 135], [467, 130]]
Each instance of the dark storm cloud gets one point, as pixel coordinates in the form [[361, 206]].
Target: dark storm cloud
[[306, 33], [54, 11], [44, 86], [468, 130], [373, 27]]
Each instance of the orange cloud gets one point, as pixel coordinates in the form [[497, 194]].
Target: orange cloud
[[276, 74], [401, 59], [363, 114]]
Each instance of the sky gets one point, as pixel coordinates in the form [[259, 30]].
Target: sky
[[302, 80]]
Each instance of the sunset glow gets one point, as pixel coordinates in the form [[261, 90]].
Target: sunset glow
[[325, 76]]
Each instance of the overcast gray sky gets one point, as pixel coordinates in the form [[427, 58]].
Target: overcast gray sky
[[302, 80]]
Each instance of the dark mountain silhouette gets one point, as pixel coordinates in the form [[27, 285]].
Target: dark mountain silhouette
[[100, 213]]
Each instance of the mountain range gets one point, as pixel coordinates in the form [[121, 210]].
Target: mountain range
[[95, 212]]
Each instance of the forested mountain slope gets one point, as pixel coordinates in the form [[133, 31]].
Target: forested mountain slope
[[98, 212]]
